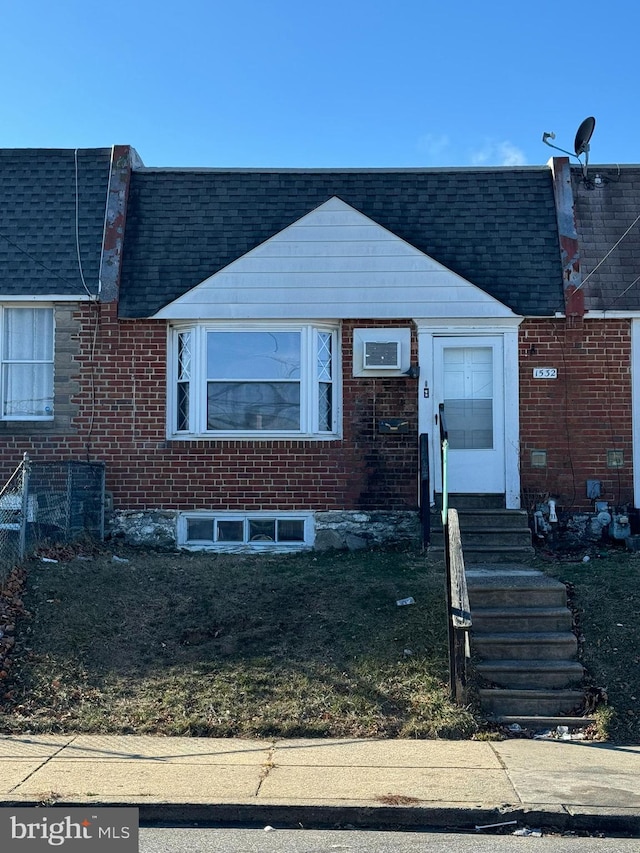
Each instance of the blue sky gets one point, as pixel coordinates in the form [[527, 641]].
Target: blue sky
[[351, 83]]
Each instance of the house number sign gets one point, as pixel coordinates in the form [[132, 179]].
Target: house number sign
[[545, 372]]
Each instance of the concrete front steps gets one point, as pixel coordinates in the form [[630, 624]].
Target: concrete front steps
[[524, 647], [489, 531]]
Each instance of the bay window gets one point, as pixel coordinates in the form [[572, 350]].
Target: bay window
[[278, 380]]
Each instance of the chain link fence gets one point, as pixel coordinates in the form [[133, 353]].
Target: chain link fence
[[49, 502]]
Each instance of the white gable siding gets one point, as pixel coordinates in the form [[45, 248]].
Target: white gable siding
[[334, 262]]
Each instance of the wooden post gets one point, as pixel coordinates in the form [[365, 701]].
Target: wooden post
[[459, 614]]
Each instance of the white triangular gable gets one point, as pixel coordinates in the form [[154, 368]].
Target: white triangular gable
[[335, 263]]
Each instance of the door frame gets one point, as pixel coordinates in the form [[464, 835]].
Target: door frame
[[507, 329]]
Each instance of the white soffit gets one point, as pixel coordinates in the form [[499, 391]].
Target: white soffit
[[334, 262]]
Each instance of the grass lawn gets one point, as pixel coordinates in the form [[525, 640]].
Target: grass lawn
[[606, 601], [278, 646], [222, 645]]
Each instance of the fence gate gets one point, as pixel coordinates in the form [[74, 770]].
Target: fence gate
[[49, 502]]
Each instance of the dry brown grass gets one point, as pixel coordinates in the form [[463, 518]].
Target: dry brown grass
[[221, 645], [605, 595]]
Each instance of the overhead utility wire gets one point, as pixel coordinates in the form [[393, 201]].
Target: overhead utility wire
[[84, 284], [77, 240], [627, 289], [615, 246], [37, 261]]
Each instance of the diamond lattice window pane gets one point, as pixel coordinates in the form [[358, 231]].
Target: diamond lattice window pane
[[183, 406], [324, 355], [325, 407], [184, 355]]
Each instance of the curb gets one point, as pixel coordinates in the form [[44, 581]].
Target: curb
[[317, 816]]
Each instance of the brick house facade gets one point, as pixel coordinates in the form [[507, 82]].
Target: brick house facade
[[464, 271]]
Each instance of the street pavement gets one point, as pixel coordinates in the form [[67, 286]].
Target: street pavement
[[554, 784]]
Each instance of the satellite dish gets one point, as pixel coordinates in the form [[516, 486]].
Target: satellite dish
[[585, 131], [581, 144]]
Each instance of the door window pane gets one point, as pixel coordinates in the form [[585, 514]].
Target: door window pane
[[469, 424], [468, 397]]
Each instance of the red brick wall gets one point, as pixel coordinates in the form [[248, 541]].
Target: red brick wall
[[580, 415], [121, 418]]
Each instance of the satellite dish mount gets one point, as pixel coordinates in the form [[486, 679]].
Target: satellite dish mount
[[580, 145]]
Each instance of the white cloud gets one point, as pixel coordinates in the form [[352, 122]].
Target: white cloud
[[495, 153], [511, 155], [434, 146]]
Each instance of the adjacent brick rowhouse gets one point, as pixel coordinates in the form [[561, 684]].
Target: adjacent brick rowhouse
[[580, 416], [110, 407]]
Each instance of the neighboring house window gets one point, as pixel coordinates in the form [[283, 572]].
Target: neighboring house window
[[232, 531], [27, 363], [276, 380]]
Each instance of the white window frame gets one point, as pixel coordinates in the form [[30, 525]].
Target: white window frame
[[309, 381], [4, 308], [245, 517]]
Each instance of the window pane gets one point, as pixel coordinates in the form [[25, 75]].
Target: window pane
[[468, 397], [253, 355], [230, 531], [183, 406], [469, 424], [28, 390], [184, 355], [325, 408], [290, 531], [253, 406], [199, 529], [28, 334], [262, 530], [324, 356]]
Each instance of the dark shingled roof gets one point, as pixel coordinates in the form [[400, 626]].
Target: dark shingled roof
[[604, 212], [495, 227], [38, 247]]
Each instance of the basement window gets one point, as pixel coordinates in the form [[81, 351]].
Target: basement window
[[245, 531]]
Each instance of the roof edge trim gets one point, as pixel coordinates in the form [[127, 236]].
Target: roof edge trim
[[46, 297]]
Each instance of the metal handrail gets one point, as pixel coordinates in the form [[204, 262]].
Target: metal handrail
[[457, 595], [425, 496], [444, 452]]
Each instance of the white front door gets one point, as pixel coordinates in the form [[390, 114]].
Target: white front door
[[468, 380]]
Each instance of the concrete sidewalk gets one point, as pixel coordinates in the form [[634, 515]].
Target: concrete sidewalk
[[564, 785]]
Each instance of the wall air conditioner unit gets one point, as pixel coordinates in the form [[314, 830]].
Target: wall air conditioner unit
[[382, 351], [382, 355]]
